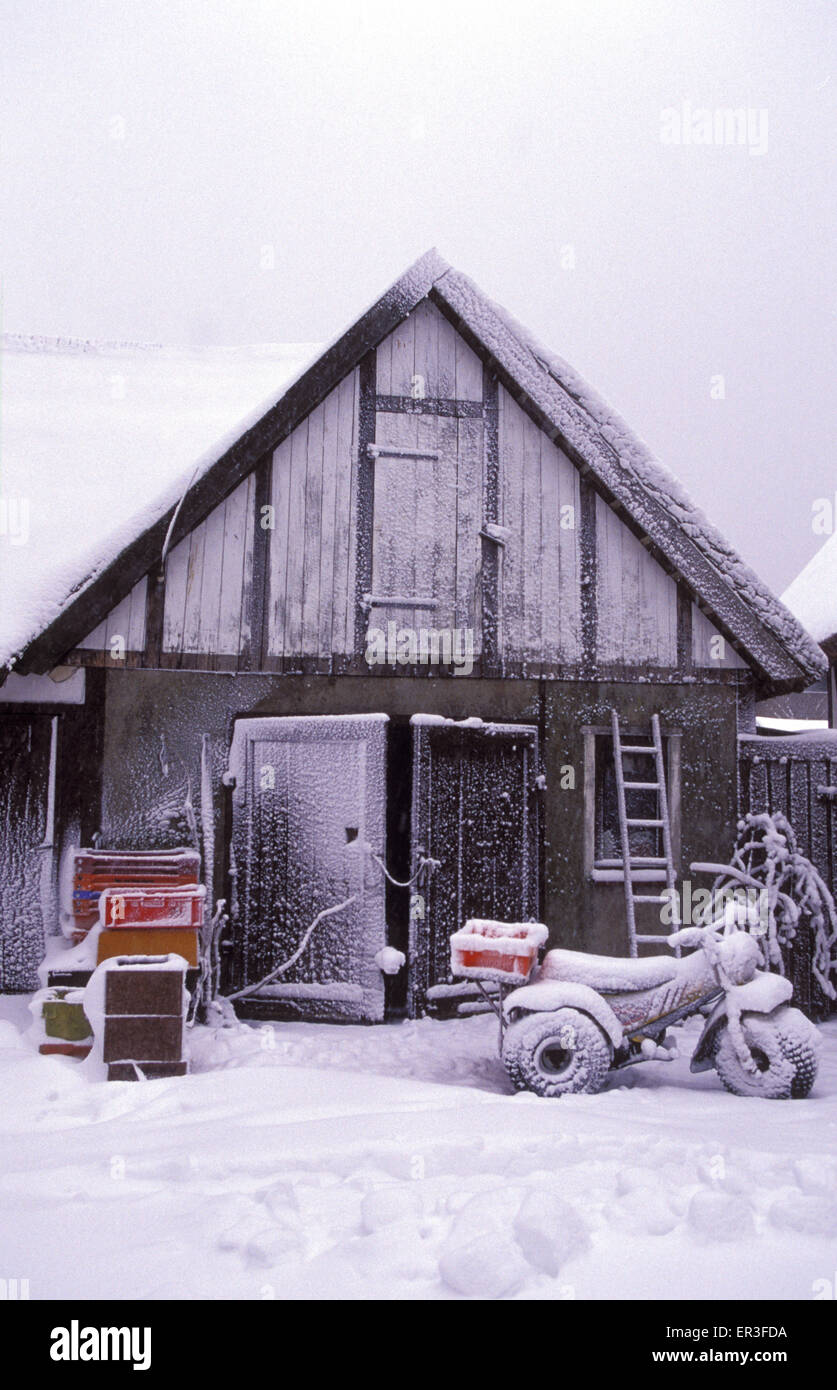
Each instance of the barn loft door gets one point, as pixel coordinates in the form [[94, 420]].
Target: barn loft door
[[425, 533], [475, 811], [309, 792]]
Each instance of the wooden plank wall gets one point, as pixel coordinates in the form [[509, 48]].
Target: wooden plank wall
[[287, 593], [711, 651], [636, 599], [311, 564], [427, 346], [540, 507], [208, 576], [125, 621]]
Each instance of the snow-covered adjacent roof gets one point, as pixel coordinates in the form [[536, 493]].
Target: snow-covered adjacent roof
[[97, 440], [153, 438], [766, 725], [812, 597]]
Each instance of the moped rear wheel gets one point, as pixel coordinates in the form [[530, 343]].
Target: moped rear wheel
[[784, 1048], [556, 1054]]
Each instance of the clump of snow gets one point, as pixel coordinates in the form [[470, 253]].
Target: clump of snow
[[644, 1210], [389, 961], [720, 1216], [482, 1257], [549, 1231], [806, 1213], [388, 1204]]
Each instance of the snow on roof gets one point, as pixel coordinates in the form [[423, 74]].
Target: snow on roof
[[98, 440], [812, 596], [764, 723]]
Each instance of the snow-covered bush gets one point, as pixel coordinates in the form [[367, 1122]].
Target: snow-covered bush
[[767, 861]]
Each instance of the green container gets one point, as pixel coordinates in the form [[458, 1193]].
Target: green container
[[65, 1019]]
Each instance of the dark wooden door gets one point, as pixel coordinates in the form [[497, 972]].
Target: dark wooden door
[[475, 812], [26, 853], [310, 793]]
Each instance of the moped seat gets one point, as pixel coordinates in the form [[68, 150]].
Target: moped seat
[[609, 974]]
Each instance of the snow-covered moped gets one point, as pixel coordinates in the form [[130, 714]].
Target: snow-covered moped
[[582, 1016]]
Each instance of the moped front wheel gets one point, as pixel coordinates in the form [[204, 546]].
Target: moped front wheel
[[784, 1050], [556, 1054]]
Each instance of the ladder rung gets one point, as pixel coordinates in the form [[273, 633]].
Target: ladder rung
[[642, 786], [630, 820], [651, 940], [650, 897], [634, 748]]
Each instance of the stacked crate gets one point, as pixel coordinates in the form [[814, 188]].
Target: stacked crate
[[144, 1018], [139, 921], [97, 869]]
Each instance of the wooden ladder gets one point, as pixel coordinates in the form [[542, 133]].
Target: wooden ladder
[[636, 863]]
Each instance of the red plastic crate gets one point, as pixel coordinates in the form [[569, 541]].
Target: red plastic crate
[[172, 908], [490, 950], [98, 869]]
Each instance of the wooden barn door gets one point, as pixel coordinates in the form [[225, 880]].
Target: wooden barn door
[[309, 792], [475, 811], [26, 853]]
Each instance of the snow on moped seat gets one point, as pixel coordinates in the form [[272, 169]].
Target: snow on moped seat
[[608, 974]]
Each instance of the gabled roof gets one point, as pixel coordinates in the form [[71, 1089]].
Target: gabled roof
[[644, 493], [812, 597]]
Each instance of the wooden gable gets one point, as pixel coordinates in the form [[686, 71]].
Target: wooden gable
[[433, 469], [368, 515]]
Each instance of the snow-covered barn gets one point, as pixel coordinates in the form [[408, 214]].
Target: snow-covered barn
[[381, 625]]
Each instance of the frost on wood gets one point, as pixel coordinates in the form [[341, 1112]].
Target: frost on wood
[[767, 860], [24, 858], [308, 806]]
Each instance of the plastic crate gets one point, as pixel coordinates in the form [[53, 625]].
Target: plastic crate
[[171, 908], [502, 951], [94, 870]]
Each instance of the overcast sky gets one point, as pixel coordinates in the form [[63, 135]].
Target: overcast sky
[[203, 171]]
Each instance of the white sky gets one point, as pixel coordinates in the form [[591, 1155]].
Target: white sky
[[151, 150]]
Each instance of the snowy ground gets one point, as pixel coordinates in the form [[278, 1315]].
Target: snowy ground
[[393, 1162]]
